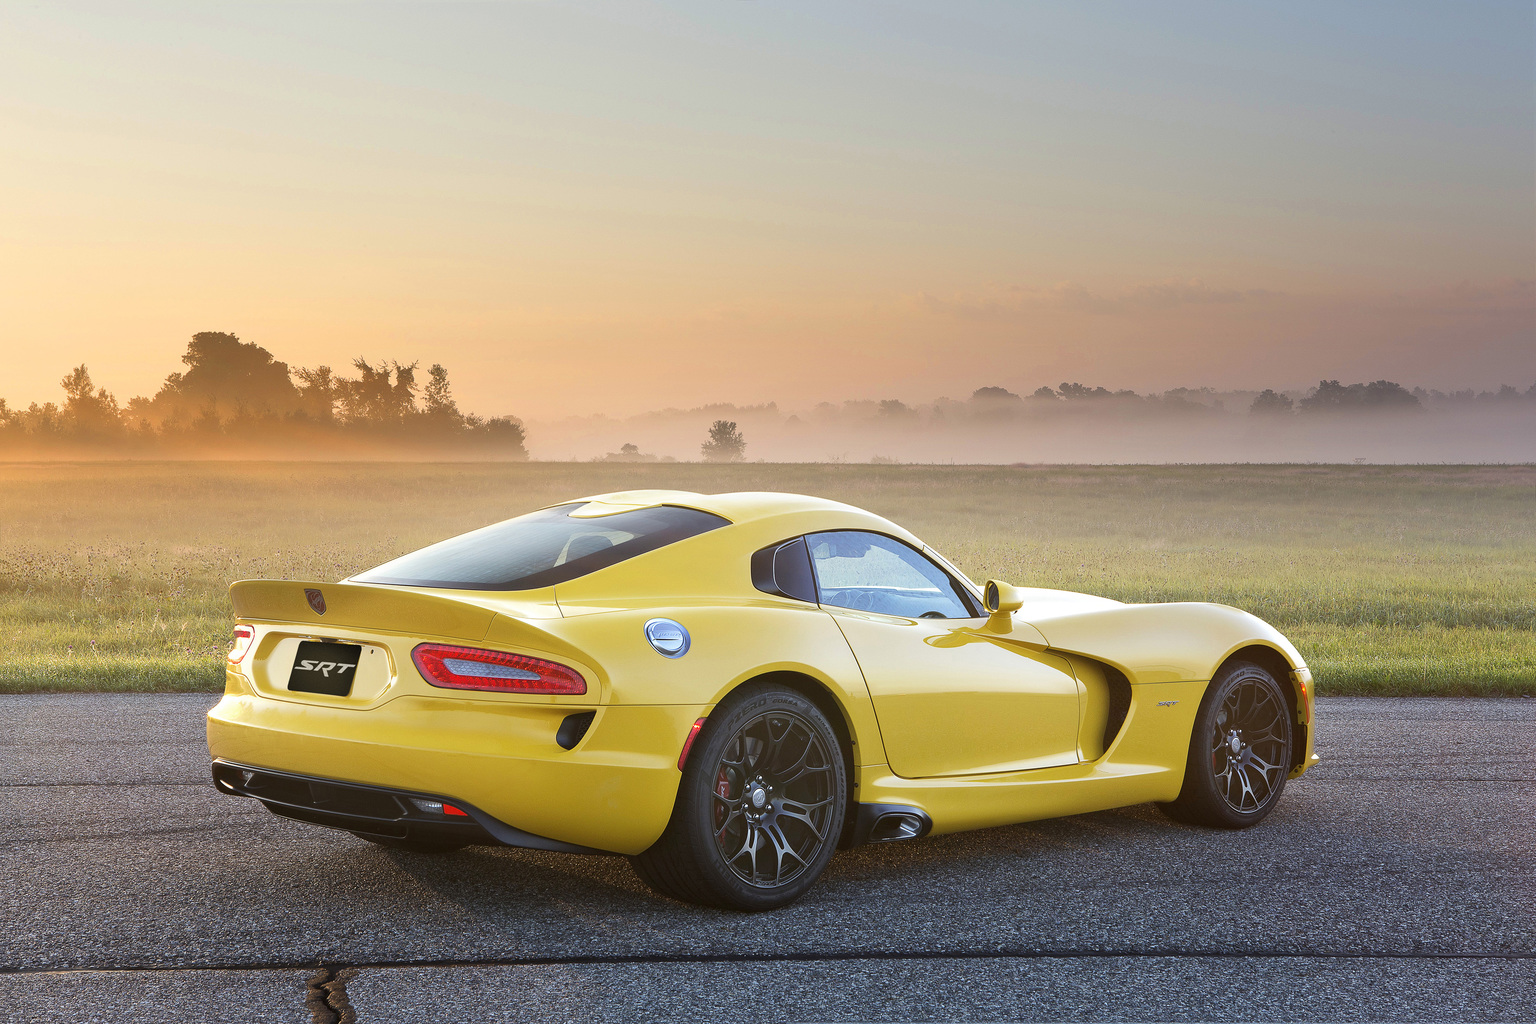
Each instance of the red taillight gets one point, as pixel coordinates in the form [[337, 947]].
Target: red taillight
[[243, 637], [469, 668], [454, 811], [693, 734]]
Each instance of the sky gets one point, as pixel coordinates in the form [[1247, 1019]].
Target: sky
[[588, 207]]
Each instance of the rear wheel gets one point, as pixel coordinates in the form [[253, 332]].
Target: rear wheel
[[412, 845], [759, 809], [1239, 753]]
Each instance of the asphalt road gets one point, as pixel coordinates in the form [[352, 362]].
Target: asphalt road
[[1396, 881]]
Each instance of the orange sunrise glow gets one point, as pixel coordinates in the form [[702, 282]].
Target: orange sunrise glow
[[600, 208]]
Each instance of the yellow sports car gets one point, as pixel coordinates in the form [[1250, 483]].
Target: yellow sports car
[[728, 687]]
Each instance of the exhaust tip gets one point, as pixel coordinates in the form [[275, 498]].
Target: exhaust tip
[[889, 823], [891, 827]]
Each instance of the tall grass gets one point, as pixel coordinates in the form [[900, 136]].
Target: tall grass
[[1390, 579]]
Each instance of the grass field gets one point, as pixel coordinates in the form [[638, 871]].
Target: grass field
[[1391, 580]]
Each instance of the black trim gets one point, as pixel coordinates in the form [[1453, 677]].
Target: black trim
[[868, 827], [573, 728], [1119, 703], [374, 810], [784, 570]]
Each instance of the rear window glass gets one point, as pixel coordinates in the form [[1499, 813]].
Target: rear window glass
[[542, 548]]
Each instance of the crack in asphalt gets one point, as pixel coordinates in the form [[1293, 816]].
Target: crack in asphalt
[[338, 972], [325, 996]]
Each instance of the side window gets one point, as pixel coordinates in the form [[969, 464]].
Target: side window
[[874, 573]]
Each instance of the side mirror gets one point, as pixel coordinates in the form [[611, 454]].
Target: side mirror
[[1001, 600]]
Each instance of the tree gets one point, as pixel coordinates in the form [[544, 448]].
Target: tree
[[226, 373], [1331, 396], [627, 453], [505, 433], [384, 395], [1075, 391], [993, 394], [1270, 403], [725, 443], [437, 399], [317, 393], [89, 411], [1045, 394]]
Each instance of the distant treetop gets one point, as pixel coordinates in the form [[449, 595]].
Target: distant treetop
[[1331, 396], [1270, 403]]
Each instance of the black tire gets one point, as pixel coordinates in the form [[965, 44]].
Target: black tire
[[412, 845], [760, 807], [1239, 752]]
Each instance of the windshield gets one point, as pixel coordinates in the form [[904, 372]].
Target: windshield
[[542, 548]]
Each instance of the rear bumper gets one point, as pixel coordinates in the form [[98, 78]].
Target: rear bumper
[[374, 810], [613, 792]]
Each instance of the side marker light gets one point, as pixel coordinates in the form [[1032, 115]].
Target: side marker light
[[693, 734]]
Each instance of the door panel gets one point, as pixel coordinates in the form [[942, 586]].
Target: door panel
[[952, 699]]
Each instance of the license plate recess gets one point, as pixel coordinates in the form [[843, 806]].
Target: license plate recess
[[322, 666]]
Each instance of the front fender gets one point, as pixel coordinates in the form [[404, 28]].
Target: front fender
[[1164, 643]]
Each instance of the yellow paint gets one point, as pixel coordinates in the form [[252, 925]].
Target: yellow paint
[[954, 699], [978, 722]]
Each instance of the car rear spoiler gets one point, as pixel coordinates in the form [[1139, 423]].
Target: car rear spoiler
[[391, 609]]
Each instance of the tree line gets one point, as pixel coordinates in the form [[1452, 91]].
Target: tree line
[[236, 390], [1330, 396]]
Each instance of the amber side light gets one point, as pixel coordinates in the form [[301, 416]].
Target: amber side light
[[693, 734]]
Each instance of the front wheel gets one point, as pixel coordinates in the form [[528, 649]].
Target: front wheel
[[1239, 753], [759, 809]]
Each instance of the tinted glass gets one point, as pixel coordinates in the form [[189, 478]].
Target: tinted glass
[[542, 548], [785, 569], [877, 574]]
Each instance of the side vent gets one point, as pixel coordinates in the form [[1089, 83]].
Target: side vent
[[1119, 702], [573, 728]]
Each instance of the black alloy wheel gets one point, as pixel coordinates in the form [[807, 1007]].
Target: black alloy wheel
[[773, 799], [1240, 751], [760, 807]]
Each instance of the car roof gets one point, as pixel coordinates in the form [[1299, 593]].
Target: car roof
[[710, 562], [737, 506], [761, 512]]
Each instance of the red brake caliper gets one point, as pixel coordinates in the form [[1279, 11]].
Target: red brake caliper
[[723, 788]]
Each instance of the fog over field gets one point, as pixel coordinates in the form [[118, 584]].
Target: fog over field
[[235, 399], [1109, 431]]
